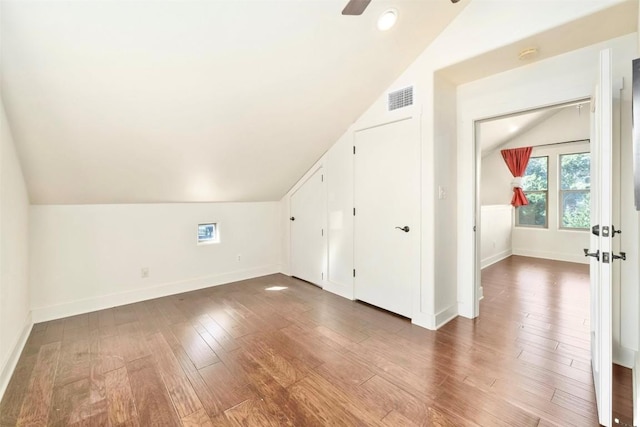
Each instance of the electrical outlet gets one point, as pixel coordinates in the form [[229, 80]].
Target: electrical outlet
[[144, 272]]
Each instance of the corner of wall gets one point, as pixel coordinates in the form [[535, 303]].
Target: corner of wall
[[6, 371]]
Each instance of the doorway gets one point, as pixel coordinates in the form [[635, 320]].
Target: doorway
[[555, 223]]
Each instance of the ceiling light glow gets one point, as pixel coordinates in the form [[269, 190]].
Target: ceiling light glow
[[387, 19]]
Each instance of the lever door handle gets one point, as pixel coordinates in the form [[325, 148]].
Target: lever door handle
[[595, 254], [405, 228]]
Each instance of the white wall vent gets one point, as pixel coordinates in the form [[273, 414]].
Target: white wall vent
[[400, 98]]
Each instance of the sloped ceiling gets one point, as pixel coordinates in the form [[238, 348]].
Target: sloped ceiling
[[496, 133], [187, 101]]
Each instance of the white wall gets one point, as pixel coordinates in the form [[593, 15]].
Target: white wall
[[495, 180], [510, 21], [552, 242], [566, 77], [496, 227], [89, 257], [566, 125], [15, 315]]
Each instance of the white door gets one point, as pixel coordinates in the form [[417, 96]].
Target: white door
[[601, 215], [307, 230], [387, 215]]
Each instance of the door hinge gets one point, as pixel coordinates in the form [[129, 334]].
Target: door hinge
[[354, 149], [354, 211], [354, 272], [322, 232], [622, 256], [322, 275], [322, 178], [474, 228]]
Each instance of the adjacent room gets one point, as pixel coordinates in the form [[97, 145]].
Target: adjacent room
[[299, 213]]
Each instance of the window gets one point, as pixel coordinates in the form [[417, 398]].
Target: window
[[575, 194], [208, 233], [535, 187]]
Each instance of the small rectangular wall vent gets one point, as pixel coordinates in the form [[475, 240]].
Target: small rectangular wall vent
[[400, 98]]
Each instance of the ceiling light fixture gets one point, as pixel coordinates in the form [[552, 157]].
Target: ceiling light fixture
[[387, 19]]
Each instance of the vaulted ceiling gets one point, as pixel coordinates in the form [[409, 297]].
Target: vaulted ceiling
[[186, 101]]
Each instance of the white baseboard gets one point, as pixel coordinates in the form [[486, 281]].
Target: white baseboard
[[424, 320], [345, 291], [495, 258], [434, 322], [465, 310], [557, 256], [624, 357], [636, 383], [445, 316], [7, 370], [72, 308]]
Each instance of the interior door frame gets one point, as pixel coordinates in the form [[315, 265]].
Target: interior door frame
[[477, 173]]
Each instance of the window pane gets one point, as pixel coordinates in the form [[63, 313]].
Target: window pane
[[535, 213], [576, 209], [207, 233], [575, 171], [535, 177]]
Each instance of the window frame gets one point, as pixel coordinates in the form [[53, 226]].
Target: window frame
[[546, 194], [216, 227], [561, 192]]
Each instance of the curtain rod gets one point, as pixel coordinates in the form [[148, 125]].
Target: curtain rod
[[558, 143]]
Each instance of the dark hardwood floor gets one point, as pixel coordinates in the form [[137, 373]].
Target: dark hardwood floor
[[241, 354]]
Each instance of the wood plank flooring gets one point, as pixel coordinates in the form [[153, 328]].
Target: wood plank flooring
[[240, 354]]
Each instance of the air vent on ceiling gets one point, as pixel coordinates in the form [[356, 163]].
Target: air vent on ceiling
[[400, 98]]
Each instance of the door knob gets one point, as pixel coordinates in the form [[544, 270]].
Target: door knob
[[595, 254], [293, 218], [405, 228]]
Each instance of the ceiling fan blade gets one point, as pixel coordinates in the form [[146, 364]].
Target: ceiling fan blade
[[355, 7]]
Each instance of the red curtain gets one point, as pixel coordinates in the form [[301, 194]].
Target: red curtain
[[517, 160]]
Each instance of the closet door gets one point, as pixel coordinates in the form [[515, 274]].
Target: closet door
[[387, 220], [308, 209]]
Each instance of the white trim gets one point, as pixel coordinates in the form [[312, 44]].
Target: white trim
[[42, 314], [557, 256], [495, 258], [624, 356], [446, 315], [435, 322], [635, 376], [345, 291], [465, 310], [424, 320], [7, 370]]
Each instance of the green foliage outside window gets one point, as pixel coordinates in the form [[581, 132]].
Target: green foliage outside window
[[575, 194], [535, 186]]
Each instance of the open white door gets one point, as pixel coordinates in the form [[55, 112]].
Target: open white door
[[307, 230], [600, 250]]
